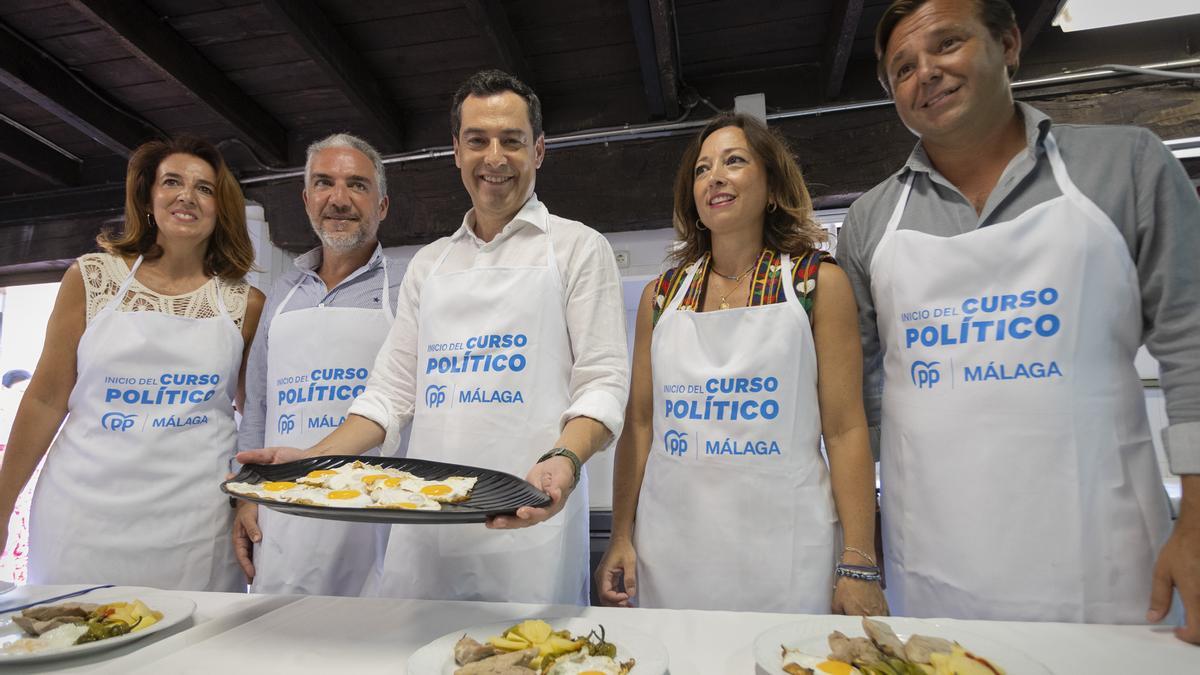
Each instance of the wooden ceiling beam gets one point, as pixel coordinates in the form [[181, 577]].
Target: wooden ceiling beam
[[655, 39], [36, 158], [307, 25], [492, 20], [1033, 16], [844, 17], [151, 39], [39, 77]]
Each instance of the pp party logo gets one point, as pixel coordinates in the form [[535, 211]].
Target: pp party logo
[[115, 421], [435, 395], [925, 374], [286, 423], [675, 442]]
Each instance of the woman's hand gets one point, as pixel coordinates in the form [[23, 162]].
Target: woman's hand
[[616, 576], [854, 597]]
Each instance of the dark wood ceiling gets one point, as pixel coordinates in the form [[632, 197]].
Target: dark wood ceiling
[[82, 82]]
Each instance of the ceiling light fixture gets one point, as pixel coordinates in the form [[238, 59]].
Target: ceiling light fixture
[[1087, 14]]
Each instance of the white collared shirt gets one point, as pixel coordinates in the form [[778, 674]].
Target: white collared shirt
[[595, 312]]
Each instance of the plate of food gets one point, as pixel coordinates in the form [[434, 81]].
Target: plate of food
[[71, 628], [384, 490], [895, 646], [567, 646]]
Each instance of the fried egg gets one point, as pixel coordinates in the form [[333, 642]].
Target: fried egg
[[448, 490], [317, 478], [819, 665], [280, 491], [397, 498], [342, 498], [584, 664], [385, 478]]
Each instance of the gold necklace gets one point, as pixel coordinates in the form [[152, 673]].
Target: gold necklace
[[738, 279]]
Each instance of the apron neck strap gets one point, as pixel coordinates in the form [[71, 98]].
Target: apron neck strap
[[283, 303], [787, 277], [386, 296], [897, 214], [220, 295], [682, 290], [120, 296], [1059, 168]]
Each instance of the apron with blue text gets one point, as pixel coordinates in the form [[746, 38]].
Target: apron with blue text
[[1019, 480], [130, 493], [735, 510], [318, 360], [493, 370]]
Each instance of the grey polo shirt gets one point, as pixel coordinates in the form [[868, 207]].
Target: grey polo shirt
[[1132, 177], [361, 290]]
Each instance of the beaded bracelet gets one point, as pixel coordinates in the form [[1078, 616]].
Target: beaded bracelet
[[859, 572]]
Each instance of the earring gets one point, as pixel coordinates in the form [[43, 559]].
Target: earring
[[771, 206], [700, 225], [150, 220]]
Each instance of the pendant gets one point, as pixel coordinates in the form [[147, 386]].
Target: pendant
[[723, 305]]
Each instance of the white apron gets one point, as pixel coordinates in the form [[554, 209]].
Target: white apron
[[493, 369], [736, 513], [1019, 476], [130, 492], [318, 360]]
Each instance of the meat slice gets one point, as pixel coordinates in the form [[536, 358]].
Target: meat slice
[[512, 663], [919, 647], [468, 650], [859, 651], [47, 612], [36, 628], [883, 637]]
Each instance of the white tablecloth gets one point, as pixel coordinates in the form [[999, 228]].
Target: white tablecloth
[[233, 633]]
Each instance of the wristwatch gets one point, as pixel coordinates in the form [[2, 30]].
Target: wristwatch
[[563, 452]]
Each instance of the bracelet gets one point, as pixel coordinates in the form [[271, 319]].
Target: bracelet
[[851, 549], [576, 465], [859, 572]]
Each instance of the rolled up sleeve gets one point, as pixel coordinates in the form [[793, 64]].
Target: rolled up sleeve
[[595, 314]]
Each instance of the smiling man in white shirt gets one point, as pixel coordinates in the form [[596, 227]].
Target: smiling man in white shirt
[[508, 352]]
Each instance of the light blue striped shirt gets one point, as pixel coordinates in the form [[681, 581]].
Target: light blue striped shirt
[[363, 289]]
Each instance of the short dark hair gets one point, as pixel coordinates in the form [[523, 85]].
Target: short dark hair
[[996, 15], [488, 82]]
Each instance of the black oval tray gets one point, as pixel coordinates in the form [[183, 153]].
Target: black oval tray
[[495, 493]]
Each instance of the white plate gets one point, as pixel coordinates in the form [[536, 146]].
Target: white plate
[[812, 637], [174, 609], [437, 657]]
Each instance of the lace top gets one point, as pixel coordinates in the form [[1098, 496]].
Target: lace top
[[103, 274]]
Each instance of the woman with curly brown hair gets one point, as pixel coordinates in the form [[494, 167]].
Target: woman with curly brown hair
[[740, 366], [143, 356]]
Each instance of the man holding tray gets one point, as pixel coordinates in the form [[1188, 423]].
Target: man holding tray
[[323, 324], [508, 352]]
